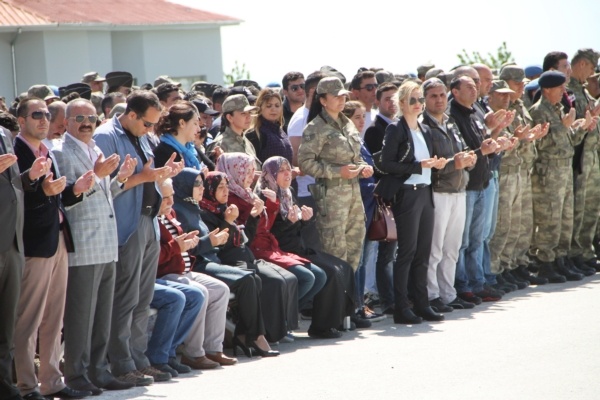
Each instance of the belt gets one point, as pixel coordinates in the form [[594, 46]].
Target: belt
[[148, 211], [415, 186], [557, 162], [510, 169], [336, 181]]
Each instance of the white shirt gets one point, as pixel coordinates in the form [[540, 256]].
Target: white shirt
[[295, 128], [421, 153]]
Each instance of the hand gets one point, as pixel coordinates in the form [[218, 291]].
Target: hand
[[440, 163], [349, 171], [52, 187], [294, 214], [187, 241], [150, 174], [84, 183], [569, 118], [258, 208], [493, 119], [488, 146], [269, 194], [39, 168], [594, 109], [216, 153], [204, 170], [367, 172], [104, 167], [429, 162], [508, 119], [307, 213], [544, 130], [503, 144], [295, 172], [218, 238], [127, 168], [594, 123], [231, 214], [514, 141], [522, 132], [176, 167], [6, 160], [462, 160]]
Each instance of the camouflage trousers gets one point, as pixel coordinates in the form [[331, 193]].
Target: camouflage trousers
[[521, 252], [508, 221], [552, 189], [587, 207], [342, 230]]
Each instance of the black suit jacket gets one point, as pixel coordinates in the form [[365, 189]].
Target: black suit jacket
[[375, 134], [398, 158], [42, 225]]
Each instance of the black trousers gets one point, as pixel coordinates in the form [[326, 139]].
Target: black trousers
[[413, 212]]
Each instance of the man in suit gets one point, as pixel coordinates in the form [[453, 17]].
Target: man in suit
[[47, 239], [385, 116], [12, 184], [91, 276]]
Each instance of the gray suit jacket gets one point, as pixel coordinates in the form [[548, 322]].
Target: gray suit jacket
[[11, 198], [92, 220]]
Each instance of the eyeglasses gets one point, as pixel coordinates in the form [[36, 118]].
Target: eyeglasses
[[80, 118], [37, 115], [146, 123], [295, 88], [369, 87], [198, 183], [413, 100]]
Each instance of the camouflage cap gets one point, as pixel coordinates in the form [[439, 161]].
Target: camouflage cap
[[512, 73], [43, 92], [92, 77], [246, 83], [237, 102], [331, 85], [165, 79], [589, 54], [500, 86], [330, 71], [433, 73], [422, 69], [383, 76]]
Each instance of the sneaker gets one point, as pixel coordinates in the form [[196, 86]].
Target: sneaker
[[137, 378], [159, 376], [371, 300], [470, 297], [306, 315], [288, 338], [166, 368], [460, 304], [488, 294], [439, 306], [179, 367], [370, 315], [360, 322]]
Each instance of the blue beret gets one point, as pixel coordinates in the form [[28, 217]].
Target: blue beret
[[551, 79], [533, 85], [533, 70]]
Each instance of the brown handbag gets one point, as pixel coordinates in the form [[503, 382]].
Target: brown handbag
[[383, 225]]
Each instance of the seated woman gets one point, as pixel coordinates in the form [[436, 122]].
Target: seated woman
[[177, 129], [334, 301], [249, 331], [280, 287]]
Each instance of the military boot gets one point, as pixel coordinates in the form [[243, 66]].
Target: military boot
[[563, 268], [547, 271]]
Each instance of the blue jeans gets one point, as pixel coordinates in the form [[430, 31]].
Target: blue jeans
[[369, 255], [469, 271], [311, 279], [491, 216], [177, 305]]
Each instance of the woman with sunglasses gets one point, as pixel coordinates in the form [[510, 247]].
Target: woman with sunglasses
[[177, 129], [406, 158]]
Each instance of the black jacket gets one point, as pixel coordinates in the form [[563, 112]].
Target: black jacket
[[473, 133], [398, 158], [446, 144], [374, 135]]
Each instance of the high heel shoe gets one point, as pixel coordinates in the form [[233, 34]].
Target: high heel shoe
[[237, 343], [263, 353]]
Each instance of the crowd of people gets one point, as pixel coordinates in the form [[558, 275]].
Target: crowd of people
[[254, 205]]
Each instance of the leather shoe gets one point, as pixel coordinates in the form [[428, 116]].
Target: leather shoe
[[406, 316], [429, 315], [68, 393], [88, 387], [199, 362], [221, 358], [116, 384]]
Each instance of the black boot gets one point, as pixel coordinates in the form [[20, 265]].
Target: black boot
[[593, 263], [578, 265], [523, 273], [546, 271], [504, 285], [512, 279], [563, 268]]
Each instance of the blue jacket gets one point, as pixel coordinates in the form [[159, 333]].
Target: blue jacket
[[367, 187]]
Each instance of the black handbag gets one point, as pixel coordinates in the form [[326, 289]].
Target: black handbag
[[383, 225]]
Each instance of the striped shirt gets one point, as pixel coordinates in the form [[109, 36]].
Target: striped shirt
[[173, 231]]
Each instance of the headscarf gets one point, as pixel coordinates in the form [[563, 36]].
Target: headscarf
[[183, 185], [188, 152], [209, 201], [237, 166], [268, 180]]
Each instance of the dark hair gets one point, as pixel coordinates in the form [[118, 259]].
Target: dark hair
[[384, 87], [146, 86], [23, 107], [54, 108], [169, 120], [224, 121], [164, 90], [219, 95], [351, 106], [432, 83], [291, 76], [9, 121], [457, 82], [358, 78], [315, 107], [552, 59], [109, 100], [70, 97], [140, 100], [194, 94]]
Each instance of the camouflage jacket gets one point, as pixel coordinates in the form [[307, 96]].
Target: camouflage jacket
[[526, 150], [582, 99], [231, 142], [326, 146], [560, 141]]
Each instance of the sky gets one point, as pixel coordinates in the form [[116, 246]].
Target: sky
[[281, 36]]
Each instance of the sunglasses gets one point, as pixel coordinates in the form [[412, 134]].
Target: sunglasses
[[37, 115], [370, 87], [295, 88], [413, 100], [146, 123], [80, 118]]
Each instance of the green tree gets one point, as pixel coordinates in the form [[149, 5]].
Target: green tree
[[237, 72], [494, 61]]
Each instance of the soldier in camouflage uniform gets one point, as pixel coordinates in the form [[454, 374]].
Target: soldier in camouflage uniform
[[552, 180], [586, 169], [330, 152], [514, 76]]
